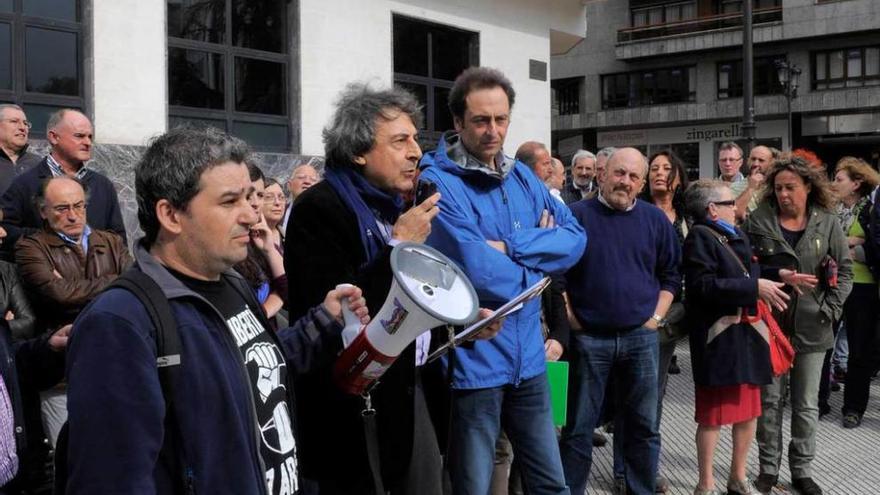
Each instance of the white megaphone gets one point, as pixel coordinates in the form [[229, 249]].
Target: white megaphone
[[428, 290]]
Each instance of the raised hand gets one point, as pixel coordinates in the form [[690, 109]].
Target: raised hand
[[415, 224]]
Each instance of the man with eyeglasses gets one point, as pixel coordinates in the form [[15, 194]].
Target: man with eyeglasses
[[63, 267], [70, 135], [730, 160], [14, 155]]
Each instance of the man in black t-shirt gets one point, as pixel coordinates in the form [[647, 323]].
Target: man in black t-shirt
[[233, 397], [268, 375]]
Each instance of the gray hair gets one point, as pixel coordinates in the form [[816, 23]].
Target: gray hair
[[57, 117], [699, 194], [730, 145], [606, 152], [352, 129], [581, 154], [5, 106], [172, 166], [305, 164]]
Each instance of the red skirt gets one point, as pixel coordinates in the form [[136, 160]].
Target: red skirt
[[717, 406]]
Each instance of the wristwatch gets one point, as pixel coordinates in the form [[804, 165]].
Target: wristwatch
[[661, 321]]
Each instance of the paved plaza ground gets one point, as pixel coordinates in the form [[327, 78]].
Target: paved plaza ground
[[847, 461]]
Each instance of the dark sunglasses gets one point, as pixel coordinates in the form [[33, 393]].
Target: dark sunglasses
[[730, 202]]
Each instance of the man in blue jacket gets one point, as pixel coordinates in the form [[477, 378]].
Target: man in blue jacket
[[500, 224], [233, 397], [619, 293]]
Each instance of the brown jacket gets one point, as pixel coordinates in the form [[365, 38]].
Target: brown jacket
[[57, 301]]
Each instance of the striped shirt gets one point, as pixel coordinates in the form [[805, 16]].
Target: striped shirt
[[57, 171], [8, 456]]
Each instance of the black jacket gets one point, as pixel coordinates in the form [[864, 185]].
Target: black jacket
[[9, 170], [20, 215], [13, 298], [24, 364], [571, 194], [716, 287], [323, 249]]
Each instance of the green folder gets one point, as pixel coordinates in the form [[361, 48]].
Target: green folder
[[557, 375]]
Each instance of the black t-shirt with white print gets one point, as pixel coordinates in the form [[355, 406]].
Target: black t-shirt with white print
[[268, 378]]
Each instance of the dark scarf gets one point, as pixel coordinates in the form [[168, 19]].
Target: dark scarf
[[366, 202]]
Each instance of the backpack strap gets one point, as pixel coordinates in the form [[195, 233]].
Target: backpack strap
[[168, 363], [168, 347]]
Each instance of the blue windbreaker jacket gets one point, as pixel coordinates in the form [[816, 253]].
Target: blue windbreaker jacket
[[477, 205]]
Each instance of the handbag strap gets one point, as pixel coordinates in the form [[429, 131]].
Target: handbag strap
[[723, 241]]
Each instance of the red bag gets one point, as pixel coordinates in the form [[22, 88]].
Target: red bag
[[781, 351]]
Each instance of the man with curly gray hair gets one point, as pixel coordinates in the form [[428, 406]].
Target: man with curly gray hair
[[342, 230]]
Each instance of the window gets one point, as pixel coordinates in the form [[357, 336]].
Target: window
[[427, 59], [847, 68], [733, 6], [566, 96], [689, 153], [662, 14], [766, 81], [652, 87], [41, 57], [228, 68]]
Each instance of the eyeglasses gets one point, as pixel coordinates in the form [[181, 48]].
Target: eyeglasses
[[77, 208], [272, 198], [312, 178], [730, 202], [18, 122]]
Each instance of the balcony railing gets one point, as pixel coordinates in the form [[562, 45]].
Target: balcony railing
[[710, 23]]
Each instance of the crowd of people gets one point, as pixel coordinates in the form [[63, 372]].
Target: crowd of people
[[199, 358]]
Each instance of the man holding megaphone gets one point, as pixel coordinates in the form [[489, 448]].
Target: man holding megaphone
[[343, 230]]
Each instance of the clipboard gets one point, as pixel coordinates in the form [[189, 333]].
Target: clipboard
[[509, 307]]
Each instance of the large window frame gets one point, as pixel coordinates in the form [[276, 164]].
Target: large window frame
[[434, 85], [663, 13], [766, 80], [229, 115], [641, 88], [39, 105], [566, 95], [858, 67], [734, 6]]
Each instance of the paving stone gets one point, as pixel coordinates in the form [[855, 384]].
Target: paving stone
[[846, 463]]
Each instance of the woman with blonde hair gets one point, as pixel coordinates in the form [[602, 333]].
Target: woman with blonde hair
[[854, 181]]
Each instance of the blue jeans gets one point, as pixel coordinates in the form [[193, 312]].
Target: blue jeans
[[524, 412], [633, 358]]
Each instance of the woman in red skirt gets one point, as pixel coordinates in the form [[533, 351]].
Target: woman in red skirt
[[731, 360]]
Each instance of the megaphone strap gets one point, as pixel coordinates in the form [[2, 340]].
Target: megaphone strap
[[371, 438]]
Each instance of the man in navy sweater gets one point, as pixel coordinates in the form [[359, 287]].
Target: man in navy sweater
[[619, 293]]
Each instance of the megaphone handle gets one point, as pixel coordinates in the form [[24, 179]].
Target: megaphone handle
[[352, 322]]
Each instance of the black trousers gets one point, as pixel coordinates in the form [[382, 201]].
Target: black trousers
[[423, 477], [860, 314]]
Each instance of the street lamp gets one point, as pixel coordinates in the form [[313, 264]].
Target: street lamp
[[788, 77]]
